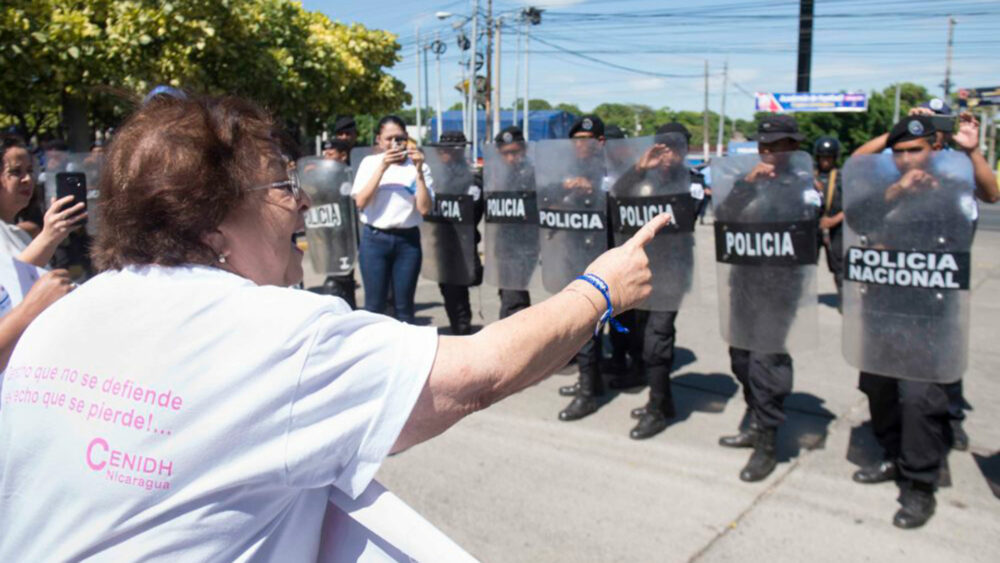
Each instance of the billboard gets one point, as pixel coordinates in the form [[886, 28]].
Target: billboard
[[974, 97], [811, 101]]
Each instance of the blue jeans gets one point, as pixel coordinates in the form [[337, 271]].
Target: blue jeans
[[390, 257]]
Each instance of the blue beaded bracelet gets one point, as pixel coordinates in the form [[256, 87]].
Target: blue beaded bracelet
[[609, 314]]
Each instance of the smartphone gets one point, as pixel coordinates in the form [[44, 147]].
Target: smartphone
[[943, 123], [74, 184]]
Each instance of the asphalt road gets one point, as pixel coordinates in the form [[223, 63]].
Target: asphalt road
[[989, 216]]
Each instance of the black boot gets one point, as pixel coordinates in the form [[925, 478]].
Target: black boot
[[745, 439], [918, 506], [651, 423], [764, 458], [959, 439], [579, 408], [638, 412], [570, 390], [879, 473]]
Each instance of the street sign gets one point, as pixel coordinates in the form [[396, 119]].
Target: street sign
[[974, 97], [811, 102]]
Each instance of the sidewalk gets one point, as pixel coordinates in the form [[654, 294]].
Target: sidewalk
[[513, 483]]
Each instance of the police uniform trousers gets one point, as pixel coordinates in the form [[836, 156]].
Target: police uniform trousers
[[588, 361], [910, 421], [658, 339], [766, 380], [512, 301], [627, 344], [456, 304], [835, 257]]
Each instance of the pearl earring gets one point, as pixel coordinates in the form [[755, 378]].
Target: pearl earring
[[222, 259]]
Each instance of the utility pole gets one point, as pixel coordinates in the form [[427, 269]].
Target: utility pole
[[427, 85], [705, 133], [496, 90], [438, 49], [722, 112], [473, 90], [805, 45], [895, 107], [947, 67], [419, 102], [527, 52], [488, 103], [517, 79]]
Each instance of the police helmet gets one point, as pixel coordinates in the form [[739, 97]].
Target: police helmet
[[826, 146]]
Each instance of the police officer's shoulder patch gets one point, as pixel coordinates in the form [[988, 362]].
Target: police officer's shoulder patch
[[811, 197]]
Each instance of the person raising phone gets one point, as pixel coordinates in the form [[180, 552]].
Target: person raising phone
[[17, 184], [393, 190]]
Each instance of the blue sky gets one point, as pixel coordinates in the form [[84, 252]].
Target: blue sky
[[857, 45]]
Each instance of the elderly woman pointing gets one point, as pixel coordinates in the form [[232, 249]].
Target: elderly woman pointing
[[184, 404]]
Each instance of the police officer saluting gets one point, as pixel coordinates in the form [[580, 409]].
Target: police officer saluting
[[910, 224], [657, 180], [767, 211], [826, 151]]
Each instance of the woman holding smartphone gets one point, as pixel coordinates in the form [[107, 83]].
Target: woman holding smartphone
[[17, 185], [393, 190]]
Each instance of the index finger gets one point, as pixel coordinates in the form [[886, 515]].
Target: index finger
[[645, 235]]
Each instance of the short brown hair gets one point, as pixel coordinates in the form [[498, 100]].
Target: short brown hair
[[173, 173]]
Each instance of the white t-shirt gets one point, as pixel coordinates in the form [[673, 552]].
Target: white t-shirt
[[13, 239], [187, 414], [394, 204]]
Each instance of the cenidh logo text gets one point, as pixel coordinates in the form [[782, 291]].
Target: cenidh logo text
[[327, 215], [506, 207], [128, 468], [571, 220], [931, 270], [760, 244]]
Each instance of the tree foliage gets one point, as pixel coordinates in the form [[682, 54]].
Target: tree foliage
[[301, 65]]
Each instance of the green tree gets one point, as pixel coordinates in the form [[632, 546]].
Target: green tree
[[59, 54]]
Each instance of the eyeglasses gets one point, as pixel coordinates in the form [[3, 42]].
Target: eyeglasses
[[291, 185]]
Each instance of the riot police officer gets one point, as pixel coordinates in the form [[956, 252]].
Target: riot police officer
[[523, 246], [340, 285], [905, 331], [765, 282], [826, 151], [586, 184], [457, 177], [658, 178]]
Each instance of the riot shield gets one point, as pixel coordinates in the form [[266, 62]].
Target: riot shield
[[766, 220], [511, 241], [448, 232], [652, 178], [59, 163], [330, 232], [907, 244], [569, 174], [359, 153]]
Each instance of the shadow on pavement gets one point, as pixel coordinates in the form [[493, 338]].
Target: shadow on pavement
[[701, 392], [806, 426], [831, 300], [990, 466]]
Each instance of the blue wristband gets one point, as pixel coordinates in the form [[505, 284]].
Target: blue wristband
[[609, 314]]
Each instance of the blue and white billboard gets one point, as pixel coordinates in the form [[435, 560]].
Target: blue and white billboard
[[811, 101]]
